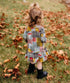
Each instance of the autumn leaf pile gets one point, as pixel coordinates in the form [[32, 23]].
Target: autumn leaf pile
[[12, 41], [13, 47], [58, 28]]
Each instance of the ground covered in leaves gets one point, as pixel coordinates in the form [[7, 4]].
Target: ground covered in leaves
[[13, 66]]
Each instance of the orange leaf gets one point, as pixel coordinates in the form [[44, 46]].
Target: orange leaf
[[1, 63], [13, 78], [49, 77], [14, 57], [47, 81], [20, 47], [22, 53], [7, 75], [10, 70], [67, 71], [16, 67], [66, 62], [7, 60], [17, 59], [5, 70], [60, 52], [25, 46]]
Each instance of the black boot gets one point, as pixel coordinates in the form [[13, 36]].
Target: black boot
[[31, 69], [41, 74]]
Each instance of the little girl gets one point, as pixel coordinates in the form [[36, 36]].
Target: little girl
[[34, 35]]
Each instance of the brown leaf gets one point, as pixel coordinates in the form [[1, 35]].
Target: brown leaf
[[60, 52], [60, 56], [22, 53], [18, 73], [5, 70], [50, 57], [15, 71], [20, 47], [66, 62], [14, 57], [17, 60], [1, 63], [69, 48], [2, 44], [50, 77], [47, 81], [17, 39], [16, 67], [18, 79], [54, 52], [17, 51], [25, 71], [58, 36], [7, 75], [25, 46], [7, 60], [48, 33], [10, 70], [13, 78], [67, 71], [21, 30]]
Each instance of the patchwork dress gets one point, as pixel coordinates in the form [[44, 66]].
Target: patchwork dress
[[35, 38]]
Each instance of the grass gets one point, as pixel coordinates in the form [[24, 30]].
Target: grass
[[13, 14]]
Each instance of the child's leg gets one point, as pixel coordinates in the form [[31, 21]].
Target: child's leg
[[32, 63], [31, 68], [40, 73], [39, 65]]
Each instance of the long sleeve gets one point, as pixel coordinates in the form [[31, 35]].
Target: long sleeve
[[25, 35], [43, 36]]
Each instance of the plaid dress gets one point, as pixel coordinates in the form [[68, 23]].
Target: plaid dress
[[35, 38]]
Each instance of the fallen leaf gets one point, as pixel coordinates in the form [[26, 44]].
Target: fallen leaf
[[10, 70], [47, 81], [67, 71], [16, 67], [22, 53], [7, 60], [13, 78], [60, 52], [14, 57], [17, 59], [25, 46], [66, 62], [20, 47], [50, 77], [18, 73], [1, 63], [7, 75], [5, 70]]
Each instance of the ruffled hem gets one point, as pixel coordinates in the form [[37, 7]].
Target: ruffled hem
[[42, 57]]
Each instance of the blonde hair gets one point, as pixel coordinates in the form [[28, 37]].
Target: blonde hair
[[35, 15]]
